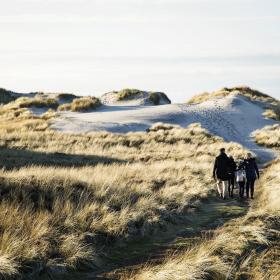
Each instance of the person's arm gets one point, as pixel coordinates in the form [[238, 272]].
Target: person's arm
[[234, 166], [257, 169], [215, 169]]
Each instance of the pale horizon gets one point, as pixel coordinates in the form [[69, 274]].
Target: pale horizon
[[179, 47]]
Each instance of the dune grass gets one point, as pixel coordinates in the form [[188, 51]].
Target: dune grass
[[268, 136], [273, 113], [128, 93], [39, 102], [154, 97], [67, 213], [248, 92], [81, 104], [246, 248]]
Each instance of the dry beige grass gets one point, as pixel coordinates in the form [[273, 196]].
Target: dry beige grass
[[40, 102], [81, 104], [268, 136], [245, 91], [129, 93], [72, 196], [247, 248], [273, 113]]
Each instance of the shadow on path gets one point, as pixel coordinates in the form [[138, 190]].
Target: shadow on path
[[16, 158], [196, 225]]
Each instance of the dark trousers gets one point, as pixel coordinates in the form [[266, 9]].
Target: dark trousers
[[230, 185], [241, 186], [250, 185]]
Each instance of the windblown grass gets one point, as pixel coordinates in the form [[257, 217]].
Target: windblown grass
[[252, 94], [81, 104], [39, 102], [62, 208], [129, 93], [247, 248], [154, 97], [273, 113], [268, 136]]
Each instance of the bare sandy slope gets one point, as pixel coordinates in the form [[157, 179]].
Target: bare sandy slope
[[233, 117]]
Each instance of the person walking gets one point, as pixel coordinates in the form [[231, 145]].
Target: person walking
[[252, 173], [240, 178], [220, 172], [231, 173]]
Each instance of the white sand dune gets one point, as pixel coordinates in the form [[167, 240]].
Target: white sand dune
[[233, 117]]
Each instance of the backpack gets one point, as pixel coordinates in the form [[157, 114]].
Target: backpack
[[240, 175]]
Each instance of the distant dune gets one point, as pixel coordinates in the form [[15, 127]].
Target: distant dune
[[233, 116]]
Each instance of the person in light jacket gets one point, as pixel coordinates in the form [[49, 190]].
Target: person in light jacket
[[240, 176]]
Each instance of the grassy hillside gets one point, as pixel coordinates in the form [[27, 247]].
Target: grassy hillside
[[67, 198], [246, 248]]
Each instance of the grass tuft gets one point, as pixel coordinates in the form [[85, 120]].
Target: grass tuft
[[81, 104]]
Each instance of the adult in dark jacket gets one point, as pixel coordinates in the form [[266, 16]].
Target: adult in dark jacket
[[231, 174], [220, 172], [252, 173]]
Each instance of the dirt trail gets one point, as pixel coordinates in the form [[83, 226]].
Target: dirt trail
[[197, 225]]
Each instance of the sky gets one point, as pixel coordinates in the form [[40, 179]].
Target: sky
[[180, 47]]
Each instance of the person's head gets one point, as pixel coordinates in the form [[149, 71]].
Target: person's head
[[248, 156], [222, 150]]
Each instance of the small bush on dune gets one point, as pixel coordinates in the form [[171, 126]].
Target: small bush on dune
[[128, 93], [81, 104], [6, 96], [156, 97], [268, 136], [243, 90], [273, 113], [27, 102]]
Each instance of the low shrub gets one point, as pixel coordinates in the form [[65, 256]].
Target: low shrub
[[39, 102], [156, 97], [6, 96], [82, 104], [128, 93]]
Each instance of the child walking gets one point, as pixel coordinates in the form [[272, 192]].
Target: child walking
[[241, 178]]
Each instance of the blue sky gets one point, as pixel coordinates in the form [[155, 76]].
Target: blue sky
[[182, 47]]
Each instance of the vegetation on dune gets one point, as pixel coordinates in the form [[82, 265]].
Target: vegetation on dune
[[66, 97], [6, 96], [271, 104], [81, 104], [273, 113], [129, 93], [268, 136], [68, 213], [39, 102], [154, 97], [245, 91], [246, 248]]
